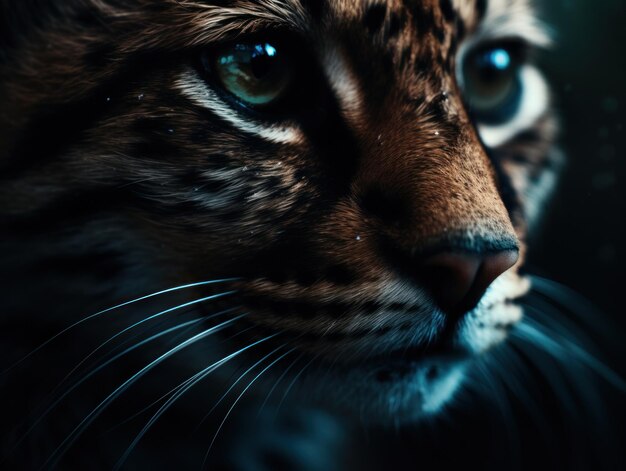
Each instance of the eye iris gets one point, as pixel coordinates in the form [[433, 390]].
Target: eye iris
[[493, 85], [254, 73]]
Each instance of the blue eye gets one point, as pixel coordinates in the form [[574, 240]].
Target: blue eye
[[255, 73], [493, 89]]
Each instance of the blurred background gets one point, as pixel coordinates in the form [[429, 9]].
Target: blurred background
[[582, 240]]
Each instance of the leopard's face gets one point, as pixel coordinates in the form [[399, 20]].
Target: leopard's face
[[365, 171]]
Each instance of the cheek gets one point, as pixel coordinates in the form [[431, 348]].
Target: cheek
[[225, 213]]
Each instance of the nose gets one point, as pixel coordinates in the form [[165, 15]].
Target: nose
[[457, 281]]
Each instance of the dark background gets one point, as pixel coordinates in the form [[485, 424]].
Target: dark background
[[581, 241]]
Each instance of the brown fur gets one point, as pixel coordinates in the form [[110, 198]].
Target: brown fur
[[99, 145]]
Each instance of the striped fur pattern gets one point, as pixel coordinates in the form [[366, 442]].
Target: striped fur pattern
[[119, 155]]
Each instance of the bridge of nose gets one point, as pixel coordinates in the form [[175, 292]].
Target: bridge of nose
[[424, 179], [430, 192]]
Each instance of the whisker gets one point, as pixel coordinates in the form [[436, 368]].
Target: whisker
[[118, 306], [564, 349], [100, 368], [548, 316], [293, 382], [171, 391], [578, 399], [232, 386], [206, 456], [80, 428], [561, 349], [280, 378], [509, 371], [496, 388], [182, 389], [574, 302], [143, 321]]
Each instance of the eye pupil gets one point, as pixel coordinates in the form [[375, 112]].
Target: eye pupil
[[257, 74], [492, 84], [262, 60], [492, 65]]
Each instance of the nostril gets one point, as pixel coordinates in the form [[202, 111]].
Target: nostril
[[457, 281], [450, 277]]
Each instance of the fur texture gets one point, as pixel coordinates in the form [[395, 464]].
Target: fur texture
[[126, 171]]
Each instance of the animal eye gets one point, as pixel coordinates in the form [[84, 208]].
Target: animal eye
[[493, 87], [256, 73]]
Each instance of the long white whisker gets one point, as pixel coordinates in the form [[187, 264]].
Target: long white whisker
[[498, 391], [206, 456], [147, 319], [280, 378], [104, 311], [232, 386], [174, 390], [565, 348], [517, 380], [182, 389], [293, 382], [100, 368], [574, 302], [69, 440], [578, 399]]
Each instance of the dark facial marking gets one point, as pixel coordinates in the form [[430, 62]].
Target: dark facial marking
[[375, 17], [481, 9], [422, 65], [424, 20], [447, 10], [460, 28], [440, 34], [316, 8], [405, 57], [390, 207], [396, 24]]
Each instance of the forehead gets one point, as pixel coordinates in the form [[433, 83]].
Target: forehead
[[441, 22], [425, 13], [397, 25], [180, 24], [425, 16]]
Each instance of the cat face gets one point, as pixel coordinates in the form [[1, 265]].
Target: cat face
[[363, 172]]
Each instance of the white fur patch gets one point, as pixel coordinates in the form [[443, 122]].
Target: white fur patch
[[485, 326], [194, 88], [344, 84], [512, 18]]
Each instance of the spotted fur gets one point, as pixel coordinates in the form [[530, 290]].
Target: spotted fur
[[117, 154]]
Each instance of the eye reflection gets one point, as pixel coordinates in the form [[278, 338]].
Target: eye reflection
[[492, 84], [255, 73]]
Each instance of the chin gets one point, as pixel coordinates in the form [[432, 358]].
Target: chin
[[393, 393], [411, 384]]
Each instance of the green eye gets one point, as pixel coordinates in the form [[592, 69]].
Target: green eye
[[255, 73], [492, 82]]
